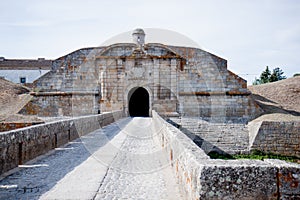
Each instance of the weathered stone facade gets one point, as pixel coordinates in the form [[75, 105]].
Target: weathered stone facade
[[179, 81]]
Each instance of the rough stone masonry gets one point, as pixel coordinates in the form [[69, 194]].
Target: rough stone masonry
[[172, 80]]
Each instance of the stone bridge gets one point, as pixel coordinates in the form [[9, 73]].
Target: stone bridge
[[110, 156]]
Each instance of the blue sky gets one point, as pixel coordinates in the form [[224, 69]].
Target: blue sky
[[249, 34]]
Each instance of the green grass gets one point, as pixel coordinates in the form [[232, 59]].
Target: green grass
[[255, 155]]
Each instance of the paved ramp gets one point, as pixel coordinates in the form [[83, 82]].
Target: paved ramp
[[121, 161]]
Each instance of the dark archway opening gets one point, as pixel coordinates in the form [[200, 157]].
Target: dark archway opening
[[139, 103]]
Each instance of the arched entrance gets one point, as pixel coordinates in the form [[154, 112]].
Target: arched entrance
[[138, 102]]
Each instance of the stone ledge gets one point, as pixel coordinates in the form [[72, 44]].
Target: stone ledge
[[205, 93], [70, 93]]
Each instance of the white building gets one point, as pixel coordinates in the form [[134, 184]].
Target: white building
[[23, 70]]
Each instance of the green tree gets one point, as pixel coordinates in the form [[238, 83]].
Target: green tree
[[297, 74], [265, 76], [256, 81], [277, 75]]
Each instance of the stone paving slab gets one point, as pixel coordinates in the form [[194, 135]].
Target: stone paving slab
[[37, 177], [119, 161], [140, 168]]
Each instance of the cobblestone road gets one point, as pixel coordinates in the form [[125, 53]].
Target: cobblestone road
[[120, 161]]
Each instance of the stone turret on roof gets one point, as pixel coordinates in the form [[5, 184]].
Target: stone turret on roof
[[139, 37]]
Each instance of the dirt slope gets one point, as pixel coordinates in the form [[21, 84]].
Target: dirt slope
[[281, 99], [13, 98]]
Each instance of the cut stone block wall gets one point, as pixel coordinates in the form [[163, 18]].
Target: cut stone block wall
[[54, 104], [223, 138], [219, 108], [204, 178], [234, 138], [276, 137], [183, 80], [21, 145]]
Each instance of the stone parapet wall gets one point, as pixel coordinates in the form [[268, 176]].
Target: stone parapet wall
[[223, 138], [288, 178], [204, 178], [7, 126], [276, 137], [179, 148], [21, 145]]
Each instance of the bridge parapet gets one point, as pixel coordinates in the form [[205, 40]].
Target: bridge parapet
[[21, 145], [203, 178]]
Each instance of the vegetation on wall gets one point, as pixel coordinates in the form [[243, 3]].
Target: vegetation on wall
[[256, 155]]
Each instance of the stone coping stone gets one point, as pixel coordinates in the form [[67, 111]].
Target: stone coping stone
[[234, 163], [282, 163], [71, 119]]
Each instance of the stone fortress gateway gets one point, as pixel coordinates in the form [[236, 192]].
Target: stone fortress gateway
[[139, 77]]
